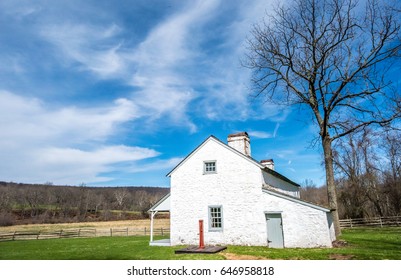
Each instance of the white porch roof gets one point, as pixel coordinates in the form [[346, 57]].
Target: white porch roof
[[163, 205]]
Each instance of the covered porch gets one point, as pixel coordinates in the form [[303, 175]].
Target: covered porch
[[163, 205]]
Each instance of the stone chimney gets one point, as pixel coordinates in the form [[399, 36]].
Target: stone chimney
[[241, 142], [269, 163]]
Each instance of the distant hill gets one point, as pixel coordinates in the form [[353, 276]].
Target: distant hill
[[48, 203]]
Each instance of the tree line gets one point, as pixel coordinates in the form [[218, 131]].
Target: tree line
[[48, 203], [368, 176]]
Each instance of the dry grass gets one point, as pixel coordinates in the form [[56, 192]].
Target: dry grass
[[158, 223]]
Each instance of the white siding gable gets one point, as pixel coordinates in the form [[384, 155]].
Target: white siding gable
[[280, 185], [162, 205]]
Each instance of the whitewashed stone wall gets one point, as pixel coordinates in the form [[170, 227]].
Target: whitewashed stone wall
[[237, 187], [303, 226]]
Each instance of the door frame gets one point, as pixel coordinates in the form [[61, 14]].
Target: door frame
[[282, 228]]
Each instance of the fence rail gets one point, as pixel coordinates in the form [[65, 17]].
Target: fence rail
[[80, 232], [371, 222]]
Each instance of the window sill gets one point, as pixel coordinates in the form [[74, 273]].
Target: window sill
[[215, 230]]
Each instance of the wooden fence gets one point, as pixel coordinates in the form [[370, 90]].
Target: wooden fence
[[80, 232], [371, 222]]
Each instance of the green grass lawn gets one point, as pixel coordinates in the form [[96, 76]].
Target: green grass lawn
[[363, 244], [97, 248]]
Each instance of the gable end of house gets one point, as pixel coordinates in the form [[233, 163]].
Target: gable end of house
[[244, 156]]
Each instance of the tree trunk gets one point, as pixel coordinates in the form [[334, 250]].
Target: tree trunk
[[331, 187]]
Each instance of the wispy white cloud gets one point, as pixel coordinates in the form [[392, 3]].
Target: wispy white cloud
[[291, 169], [164, 64], [100, 156], [263, 134], [276, 129], [30, 119], [67, 164], [95, 48], [176, 66], [167, 45], [44, 142], [159, 164], [19, 10], [260, 134]]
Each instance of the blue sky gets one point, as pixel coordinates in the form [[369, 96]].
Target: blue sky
[[112, 93]]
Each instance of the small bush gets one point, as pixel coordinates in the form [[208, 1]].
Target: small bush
[[6, 219]]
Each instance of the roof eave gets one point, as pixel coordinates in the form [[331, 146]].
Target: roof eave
[[160, 201], [282, 177], [295, 199]]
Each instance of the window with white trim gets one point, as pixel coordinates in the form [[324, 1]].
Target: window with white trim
[[215, 218], [209, 167]]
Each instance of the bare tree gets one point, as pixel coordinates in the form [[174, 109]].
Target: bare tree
[[392, 176], [33, 198], [310, 192], [5, 198], [331, 58], [358, 169], [121, 195], [82, 202]]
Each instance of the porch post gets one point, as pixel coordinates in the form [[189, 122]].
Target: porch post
[[152, 214]]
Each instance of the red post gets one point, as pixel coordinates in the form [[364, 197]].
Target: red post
[[201, 240]]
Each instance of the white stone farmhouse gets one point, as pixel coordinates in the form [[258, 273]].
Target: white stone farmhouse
[[241, 201]]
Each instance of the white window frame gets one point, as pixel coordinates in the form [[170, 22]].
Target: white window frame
[[205, 169], [215, 215]]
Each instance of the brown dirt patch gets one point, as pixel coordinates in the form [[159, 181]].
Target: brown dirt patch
[[340, 257], [231, 256], [339, 243]]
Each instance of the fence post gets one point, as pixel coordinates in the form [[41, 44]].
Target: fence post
[[162, 231], [14, 235], [111, 232], [127, 231], [37, 236], [381, 222], [350, 221], [79, 232], [145, 231], [59, 235]]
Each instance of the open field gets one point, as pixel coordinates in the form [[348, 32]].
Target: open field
[[165, 223], [362, 244]]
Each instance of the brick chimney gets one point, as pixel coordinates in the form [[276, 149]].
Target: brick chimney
[[241, 142], [269, 163]]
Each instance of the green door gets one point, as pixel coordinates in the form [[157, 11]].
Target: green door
[[274, 230]]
